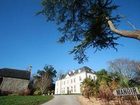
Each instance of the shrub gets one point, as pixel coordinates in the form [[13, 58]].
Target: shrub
[[38, 92], [5, 93], [13, 94], [24, 92]]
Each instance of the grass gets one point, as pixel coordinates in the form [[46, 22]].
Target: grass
[[24, 100]]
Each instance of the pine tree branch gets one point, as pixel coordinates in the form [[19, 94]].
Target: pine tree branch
[[130, 34]]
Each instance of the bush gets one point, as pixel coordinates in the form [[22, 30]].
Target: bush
[[13, 94], [5, 93], [24, 92], [38, 92]]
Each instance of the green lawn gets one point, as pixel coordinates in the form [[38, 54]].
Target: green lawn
[[24, 100]]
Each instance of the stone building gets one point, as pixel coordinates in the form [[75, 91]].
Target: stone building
[[13, 80]]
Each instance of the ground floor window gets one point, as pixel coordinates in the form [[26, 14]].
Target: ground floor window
[[74, 88], [71, 89]]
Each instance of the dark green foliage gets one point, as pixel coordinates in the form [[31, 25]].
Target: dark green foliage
[[103, 84], [45, 79], [89, 88], [82, 21], [48, 70], [31, 87], [103, 75], [24, 100]]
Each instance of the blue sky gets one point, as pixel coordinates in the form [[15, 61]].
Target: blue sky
[[26, 39]]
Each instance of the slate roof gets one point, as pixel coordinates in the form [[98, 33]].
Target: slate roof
[[83, 69], [14, 73]]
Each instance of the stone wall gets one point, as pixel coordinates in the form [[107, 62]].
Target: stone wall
[[13, 85]]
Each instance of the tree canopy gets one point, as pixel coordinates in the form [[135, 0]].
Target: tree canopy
[[128, 68], [44, 79], [88, 23]]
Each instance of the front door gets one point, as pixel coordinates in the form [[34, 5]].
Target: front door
[[68, 90]]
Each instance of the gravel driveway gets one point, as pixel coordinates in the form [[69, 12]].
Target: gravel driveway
[[63, 100]]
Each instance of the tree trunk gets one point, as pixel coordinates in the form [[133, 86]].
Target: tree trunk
[[130, 34]]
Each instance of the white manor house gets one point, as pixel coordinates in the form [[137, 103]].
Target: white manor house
[[70, 83]]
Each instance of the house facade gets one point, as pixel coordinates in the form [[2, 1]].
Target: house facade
[[71, 82]]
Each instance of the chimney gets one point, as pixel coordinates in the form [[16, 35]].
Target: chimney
[[30, 68], [73, 71], [79, 70]]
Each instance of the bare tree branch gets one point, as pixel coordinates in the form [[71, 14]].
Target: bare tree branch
[[130, 34], [132, 25], [128, 68]]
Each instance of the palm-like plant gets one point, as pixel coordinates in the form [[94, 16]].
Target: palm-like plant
[[103, 77], [87, 87], [121, 81], [45, 78]]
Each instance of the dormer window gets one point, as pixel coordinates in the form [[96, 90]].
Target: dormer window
[[79, 71], [73, 71]]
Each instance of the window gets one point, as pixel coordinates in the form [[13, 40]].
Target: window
[[94, 77], [90, 77], [64, 90], [80, 78], [74, 80], [71, 89], [67, 88], [57, 91], [71, 80], [74, 88]]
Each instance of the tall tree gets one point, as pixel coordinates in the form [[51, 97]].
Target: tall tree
[[90, 23], [45, 78]]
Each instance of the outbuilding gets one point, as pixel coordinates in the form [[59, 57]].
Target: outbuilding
[[13, 80]]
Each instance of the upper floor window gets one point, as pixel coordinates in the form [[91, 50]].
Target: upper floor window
[[90, 77], [94, 77], [71, 89], [74, 80], [71, 80]]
